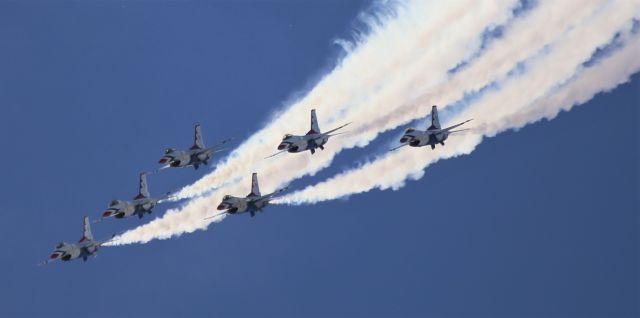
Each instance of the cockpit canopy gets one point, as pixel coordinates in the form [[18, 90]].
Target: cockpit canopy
[[114, 203], [60, 245], [410, 130], [169, 150], [286, 136]]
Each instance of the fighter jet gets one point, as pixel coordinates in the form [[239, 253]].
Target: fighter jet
[[311, 141], [141, 204], [254, 202], [86, 247], [197, 155], [432, 136]]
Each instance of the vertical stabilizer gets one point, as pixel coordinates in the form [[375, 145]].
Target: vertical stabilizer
[[86, 231], [197, 140], [255, 188], [435, 122], [143, 191], [315, 129]]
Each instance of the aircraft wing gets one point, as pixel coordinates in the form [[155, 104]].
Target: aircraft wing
[[216, 215], [275, 154], [271, 196], [109, 240], [166, 196], [277, 193], [456, 125], [396, 148], [332, 130], [217, 147], [459, 130]]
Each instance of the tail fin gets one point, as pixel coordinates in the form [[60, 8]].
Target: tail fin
[[315, 129], [197, 140], [255, 189], [86, 231], [435, 123], [143, 191]]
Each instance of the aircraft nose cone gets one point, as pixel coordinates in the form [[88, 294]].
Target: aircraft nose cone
[[54, 255], [163, 160], [403, 139], [107, 213], [222, 206], [282, 146]]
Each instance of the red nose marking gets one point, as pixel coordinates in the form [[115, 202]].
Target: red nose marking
[[163, 160], [54, 255], [403, 140], [106, 214], [282, 146], [221, 207]]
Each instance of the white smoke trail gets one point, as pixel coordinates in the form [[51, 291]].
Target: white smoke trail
[[425, 72], [410, 35], [385, 173], [388, 63], [456, 32]]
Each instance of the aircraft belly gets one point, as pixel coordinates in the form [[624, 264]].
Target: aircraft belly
[[433, 139], [129, 210], [241, 207], [298, 146], [72, 254], [258, 205]]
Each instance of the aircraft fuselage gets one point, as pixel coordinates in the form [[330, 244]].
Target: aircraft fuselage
[[421, 138], [235, 205], [309, 142], [68, 252]]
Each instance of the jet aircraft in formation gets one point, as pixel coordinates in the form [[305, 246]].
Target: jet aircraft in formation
[[87, 246], [311, 141], [141, 204], [432, 136], [254, 202], [197, 155]]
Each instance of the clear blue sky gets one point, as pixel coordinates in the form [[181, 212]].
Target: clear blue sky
[[537, 223]]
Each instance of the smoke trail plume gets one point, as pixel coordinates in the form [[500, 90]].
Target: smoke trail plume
[[385, 173], [405, 46], [422, 53]]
